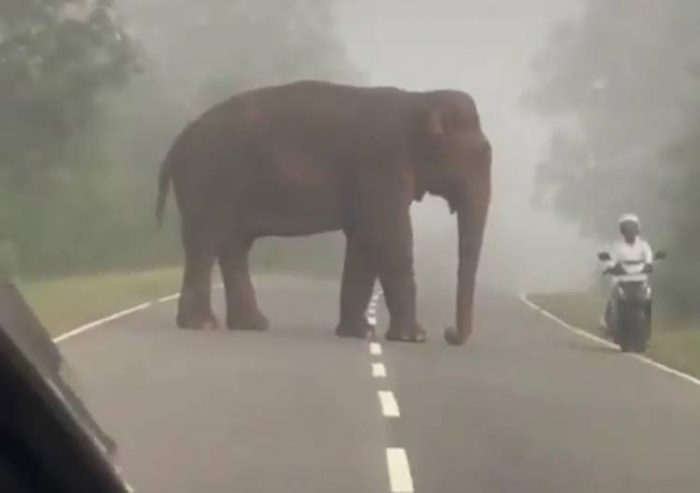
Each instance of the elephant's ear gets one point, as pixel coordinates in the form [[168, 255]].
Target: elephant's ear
[[436, 122], [452, 112]]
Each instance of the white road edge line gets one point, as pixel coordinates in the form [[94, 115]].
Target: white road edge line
[[96, 323], [375, 349], [399, 471], [172, 297], [390, 408], [588, 335], [378, 370], [102, 321], [566, 325]]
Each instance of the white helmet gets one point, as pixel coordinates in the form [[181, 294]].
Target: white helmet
[[628, 218]]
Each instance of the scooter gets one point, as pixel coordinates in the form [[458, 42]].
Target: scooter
[[629, 317]]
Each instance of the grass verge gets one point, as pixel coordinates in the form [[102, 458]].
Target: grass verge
[[65, 303], [674, 343]]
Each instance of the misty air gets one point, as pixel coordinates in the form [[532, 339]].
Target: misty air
[[349, 246]]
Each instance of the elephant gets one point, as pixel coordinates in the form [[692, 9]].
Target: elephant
[[310, 157]]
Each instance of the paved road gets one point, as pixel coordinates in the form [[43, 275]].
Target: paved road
[[525, 407]]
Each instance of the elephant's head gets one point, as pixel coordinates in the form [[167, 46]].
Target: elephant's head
[[456, 165]]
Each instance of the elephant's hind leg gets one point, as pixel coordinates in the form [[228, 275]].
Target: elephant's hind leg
[[242, 312], [194, 310], [355, 292]]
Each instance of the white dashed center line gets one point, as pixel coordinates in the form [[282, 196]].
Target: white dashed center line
[[390, 408], [399, 471], [378, 370], [397, 460], [371, 313]]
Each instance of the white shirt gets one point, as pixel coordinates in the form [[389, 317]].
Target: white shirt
[[633, 258]]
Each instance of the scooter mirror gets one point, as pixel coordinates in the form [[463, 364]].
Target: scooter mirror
[[604, 256]]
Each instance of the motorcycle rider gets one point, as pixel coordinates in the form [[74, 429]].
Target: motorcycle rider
[[630, 250]]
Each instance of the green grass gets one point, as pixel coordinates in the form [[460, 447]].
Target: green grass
[[68, 302], [674, 343], [65, 303]]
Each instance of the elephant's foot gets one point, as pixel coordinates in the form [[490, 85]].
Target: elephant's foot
[[355, 330], [455, 338], [257, 322], [204, 322], [415, 334]]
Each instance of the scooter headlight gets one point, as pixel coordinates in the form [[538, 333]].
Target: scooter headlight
[[621, 292]]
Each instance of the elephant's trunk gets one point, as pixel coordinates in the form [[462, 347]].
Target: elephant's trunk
[[471, 220]]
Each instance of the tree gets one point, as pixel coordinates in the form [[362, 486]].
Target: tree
[[197, 54], [90, 100], [57, 58], [621, 82]]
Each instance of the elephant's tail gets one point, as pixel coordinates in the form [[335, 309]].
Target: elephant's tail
[[164, 179]]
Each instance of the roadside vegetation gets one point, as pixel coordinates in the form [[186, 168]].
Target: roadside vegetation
[[93, 94], [65, 303], [622, 81]]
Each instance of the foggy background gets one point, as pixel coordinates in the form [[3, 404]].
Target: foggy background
[[591, 106], [486, 48]]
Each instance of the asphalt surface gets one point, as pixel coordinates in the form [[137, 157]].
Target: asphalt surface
[[526, 406]]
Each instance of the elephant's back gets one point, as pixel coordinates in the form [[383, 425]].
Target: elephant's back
[[307, 104], [325, 103], [315, 122], [329, 118]]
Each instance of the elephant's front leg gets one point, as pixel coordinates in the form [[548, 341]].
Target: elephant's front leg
[[396, 274], [242, 312], [355, 291], [385, 225]]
